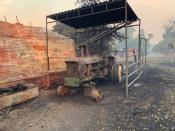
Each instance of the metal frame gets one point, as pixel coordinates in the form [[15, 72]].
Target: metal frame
[[140, 59], [145, 58], [126, 46], [139, 62]]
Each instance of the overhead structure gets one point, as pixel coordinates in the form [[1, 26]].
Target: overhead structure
[[99, 14], [116, 13]]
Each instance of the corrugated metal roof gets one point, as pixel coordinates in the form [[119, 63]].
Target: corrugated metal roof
[[96, 15]]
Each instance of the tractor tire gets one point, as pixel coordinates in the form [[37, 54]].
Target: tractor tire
[[63, 91], [117, 73], [96, 94]]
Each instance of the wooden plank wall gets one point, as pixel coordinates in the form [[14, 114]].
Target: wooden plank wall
[[23, 52]]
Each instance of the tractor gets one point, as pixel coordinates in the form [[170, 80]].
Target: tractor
[[84, 70]]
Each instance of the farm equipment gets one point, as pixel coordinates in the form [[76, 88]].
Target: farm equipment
[[81, 71], [84, 70]]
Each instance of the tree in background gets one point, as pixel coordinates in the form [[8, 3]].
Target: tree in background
[[133, 39], [99, 46], [168, 38], [64, 30], [82, 3]]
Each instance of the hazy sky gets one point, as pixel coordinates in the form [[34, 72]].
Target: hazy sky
[[154, 13]]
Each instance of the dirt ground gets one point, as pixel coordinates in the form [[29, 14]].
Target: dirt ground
[[150, 106]]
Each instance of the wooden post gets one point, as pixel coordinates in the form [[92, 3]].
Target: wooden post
[[47, 54], [17, 19], [5, 19]]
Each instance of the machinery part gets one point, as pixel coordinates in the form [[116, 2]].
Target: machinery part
[[95, 94], [117, 73], [72, 82], [63, 91]]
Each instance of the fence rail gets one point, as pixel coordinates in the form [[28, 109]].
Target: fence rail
[[139, 66]]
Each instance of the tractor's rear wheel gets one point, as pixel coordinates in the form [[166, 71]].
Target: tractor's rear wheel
[[117, 73]]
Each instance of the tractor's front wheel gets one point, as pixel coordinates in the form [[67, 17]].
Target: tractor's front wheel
[[63, 91]]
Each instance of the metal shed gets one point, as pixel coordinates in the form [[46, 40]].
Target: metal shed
[[114, 12]]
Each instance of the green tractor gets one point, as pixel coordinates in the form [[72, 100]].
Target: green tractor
[[83, 70]]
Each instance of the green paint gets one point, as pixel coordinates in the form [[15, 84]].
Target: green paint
[[72, 82]]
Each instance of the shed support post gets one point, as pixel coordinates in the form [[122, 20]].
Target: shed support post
[[145, 58], [126, 46], [139, 46]]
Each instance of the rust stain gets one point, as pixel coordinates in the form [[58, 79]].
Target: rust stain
[[24, 49], [39, 48], [3, 56]]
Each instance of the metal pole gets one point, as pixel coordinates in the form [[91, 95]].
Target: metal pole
[[87, 50], [126, 46], [139, 46], [145, 57], [47, 54]]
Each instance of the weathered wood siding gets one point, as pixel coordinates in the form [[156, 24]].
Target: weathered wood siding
[[23, 52]]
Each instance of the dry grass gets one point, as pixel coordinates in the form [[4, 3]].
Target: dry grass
[[169, 102]]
